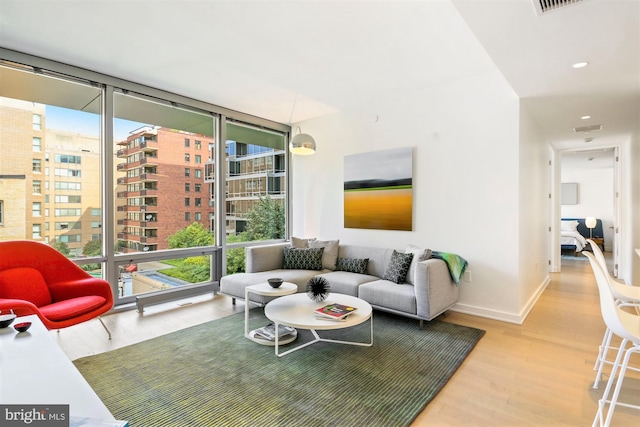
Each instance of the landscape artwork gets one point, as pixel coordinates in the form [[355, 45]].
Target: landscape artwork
[[378, 192]]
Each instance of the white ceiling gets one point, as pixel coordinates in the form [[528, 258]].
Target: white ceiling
[[294, 60]]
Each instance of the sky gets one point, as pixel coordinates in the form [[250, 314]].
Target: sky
[[385, 164], [85, 123]]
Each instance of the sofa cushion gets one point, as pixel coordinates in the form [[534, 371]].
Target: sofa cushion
[[24, 283], [353, 265], [419, 254], [70, 308], [233, 285], [398, 267], [386, 294], [330, 254], [342, 282], [303, 259]]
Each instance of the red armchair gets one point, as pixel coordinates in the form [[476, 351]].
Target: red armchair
[[37, 279]]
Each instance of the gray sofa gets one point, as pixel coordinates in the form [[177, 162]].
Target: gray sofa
[[428, 290]]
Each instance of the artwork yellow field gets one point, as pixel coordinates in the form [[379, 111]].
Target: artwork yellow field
[[387, 208]]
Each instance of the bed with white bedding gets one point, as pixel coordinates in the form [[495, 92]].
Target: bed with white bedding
[[572, 238], [574, 232]]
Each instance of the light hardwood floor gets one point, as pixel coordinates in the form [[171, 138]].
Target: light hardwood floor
[[536, 374]]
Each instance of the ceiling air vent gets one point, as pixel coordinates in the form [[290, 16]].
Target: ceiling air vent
[[544, 6], [587, 128]]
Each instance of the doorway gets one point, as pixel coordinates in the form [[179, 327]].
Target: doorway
[[593, 175]]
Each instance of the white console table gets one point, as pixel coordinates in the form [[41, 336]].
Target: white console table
[[35, 370]]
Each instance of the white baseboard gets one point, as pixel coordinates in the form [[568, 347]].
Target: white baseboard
[[503, 316]]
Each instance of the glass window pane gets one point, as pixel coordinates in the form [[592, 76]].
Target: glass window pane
[[256, 188], [153, 209], [143, 277], [51, 156]]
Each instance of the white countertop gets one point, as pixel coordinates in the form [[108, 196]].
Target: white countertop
[[35, 370]]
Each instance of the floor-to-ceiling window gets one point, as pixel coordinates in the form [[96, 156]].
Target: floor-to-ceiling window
[[161, 200], [255, 189], [122, 178], [50, 162]]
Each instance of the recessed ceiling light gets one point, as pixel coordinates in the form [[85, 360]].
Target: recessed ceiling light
[[580, 64], [585, 117]]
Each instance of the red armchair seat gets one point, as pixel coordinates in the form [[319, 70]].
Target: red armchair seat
[[37, 279], [72, 308]]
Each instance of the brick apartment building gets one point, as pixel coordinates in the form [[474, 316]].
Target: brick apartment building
[[169, 178], [162, 188], [50, 187]]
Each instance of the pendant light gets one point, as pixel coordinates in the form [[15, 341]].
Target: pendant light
[[302, 144]]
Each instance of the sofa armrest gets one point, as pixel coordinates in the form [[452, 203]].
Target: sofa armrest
[[264, 258], [435, 290]]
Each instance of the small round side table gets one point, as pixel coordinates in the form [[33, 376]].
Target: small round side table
[[264, 289]]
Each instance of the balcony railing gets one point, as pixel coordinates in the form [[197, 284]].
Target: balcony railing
[[149, 146], [149, 176]]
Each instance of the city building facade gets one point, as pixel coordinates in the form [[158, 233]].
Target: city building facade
[[161, 187], [49, 180]]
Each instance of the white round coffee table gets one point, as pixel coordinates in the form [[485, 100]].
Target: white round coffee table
[[264, 289], [297, 310]]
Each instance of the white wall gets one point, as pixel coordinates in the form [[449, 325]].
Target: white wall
[[595, 198], [633, 259], [466, 181], [534, 234]]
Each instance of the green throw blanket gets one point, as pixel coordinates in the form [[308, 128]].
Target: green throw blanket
[[456, 264]]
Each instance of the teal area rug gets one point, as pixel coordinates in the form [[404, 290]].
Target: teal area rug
[[210, 375]]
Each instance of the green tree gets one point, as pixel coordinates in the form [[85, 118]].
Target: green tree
[[235, 257], [61, 247], [191, 236], [266, 220], [192, 269], [92, 248]]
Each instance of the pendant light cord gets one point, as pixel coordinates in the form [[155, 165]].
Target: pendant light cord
[[293, 107]]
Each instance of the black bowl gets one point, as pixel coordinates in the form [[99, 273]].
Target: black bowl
[[6, 319], [22, 326], [275, 283]]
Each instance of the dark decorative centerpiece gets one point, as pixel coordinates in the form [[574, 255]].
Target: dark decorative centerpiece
[[275, 282], [318, 289], [22, 327]]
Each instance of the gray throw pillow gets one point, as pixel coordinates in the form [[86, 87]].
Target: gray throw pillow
[[398, 267], [419, 254], [303, 259], [297, 242], [330, 256], [353, 265]]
